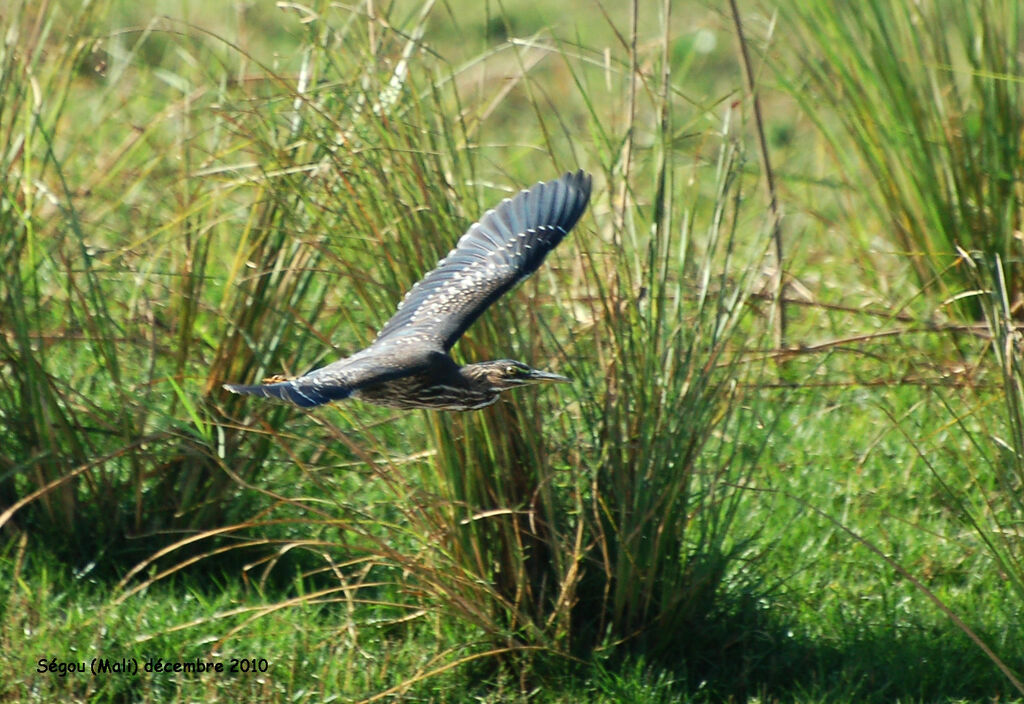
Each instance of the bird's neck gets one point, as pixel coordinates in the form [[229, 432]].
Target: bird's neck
[[475, 375]]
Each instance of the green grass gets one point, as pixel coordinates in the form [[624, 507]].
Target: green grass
[[216, 196], [926, 99]]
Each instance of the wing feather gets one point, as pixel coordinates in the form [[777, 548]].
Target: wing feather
[[339, 380], [503, 248]]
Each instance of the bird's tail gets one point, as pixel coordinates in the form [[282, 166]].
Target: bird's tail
[[301, 392]]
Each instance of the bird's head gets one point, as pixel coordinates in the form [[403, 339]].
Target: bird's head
[[504, 374]]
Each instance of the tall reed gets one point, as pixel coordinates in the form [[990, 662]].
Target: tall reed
[[923, 108]]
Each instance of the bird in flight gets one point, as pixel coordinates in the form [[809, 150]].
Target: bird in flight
[[408, 365]]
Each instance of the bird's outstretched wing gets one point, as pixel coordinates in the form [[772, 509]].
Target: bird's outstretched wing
[[503, 248], [299, 391], [339, 380]]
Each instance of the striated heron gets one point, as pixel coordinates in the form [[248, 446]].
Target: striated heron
[[408, 366]]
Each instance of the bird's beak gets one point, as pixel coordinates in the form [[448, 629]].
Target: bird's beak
[[537, 376]]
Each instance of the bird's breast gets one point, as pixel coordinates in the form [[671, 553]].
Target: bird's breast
[[426, 391]]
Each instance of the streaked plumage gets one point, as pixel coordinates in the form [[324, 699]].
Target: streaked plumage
[[408, 365]]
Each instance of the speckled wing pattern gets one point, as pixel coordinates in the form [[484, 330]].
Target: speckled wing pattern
[[338, 380], [503, 248]]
